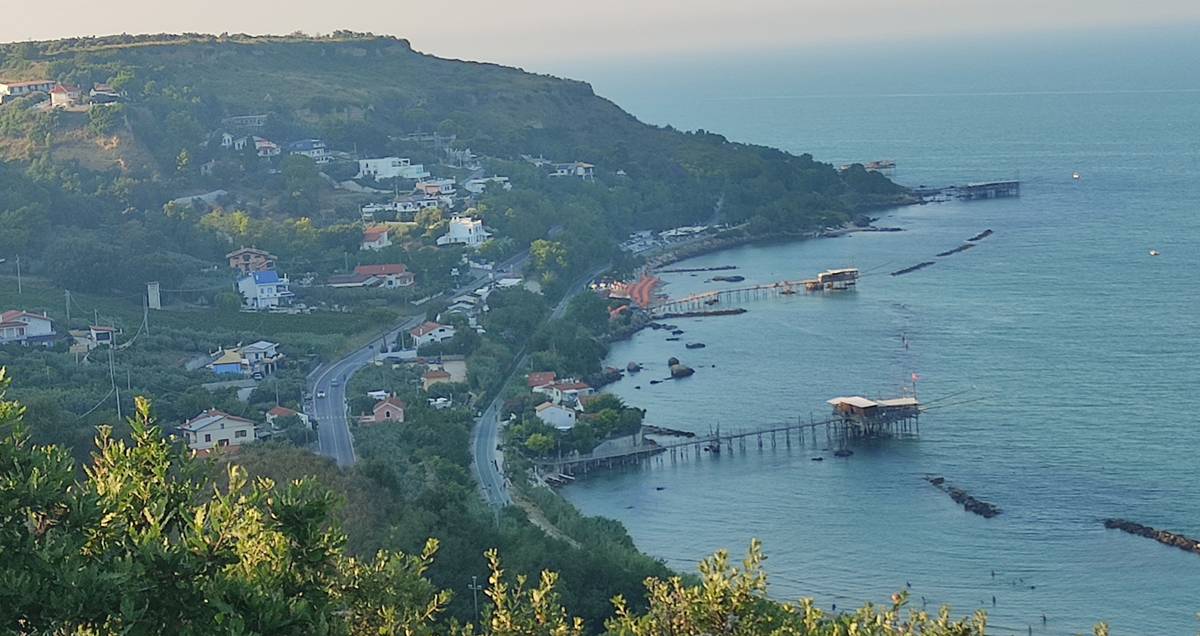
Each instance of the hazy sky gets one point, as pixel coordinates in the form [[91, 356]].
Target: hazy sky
[[540, 33]]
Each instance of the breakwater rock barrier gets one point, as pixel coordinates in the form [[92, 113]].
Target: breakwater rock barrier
[[960, 496], [1186, 544]]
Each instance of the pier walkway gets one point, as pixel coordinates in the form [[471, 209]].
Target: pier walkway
[[899, 416], [829, 280]]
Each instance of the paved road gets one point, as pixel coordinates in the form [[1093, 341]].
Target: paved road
[[485, 437], [333, 429], [329, 379]]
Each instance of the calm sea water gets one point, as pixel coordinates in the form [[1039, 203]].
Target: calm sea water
[[1061, 355]]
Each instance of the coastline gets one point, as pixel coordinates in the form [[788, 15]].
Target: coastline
[[708, 245]]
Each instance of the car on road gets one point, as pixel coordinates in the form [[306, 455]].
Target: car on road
[[335, 382], [320, 394]]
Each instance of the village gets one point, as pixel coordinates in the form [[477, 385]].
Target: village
[[547, 408]]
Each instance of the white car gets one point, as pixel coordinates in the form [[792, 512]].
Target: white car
[[320, 395]]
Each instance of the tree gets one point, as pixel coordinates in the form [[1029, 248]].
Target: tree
[[539, 443], [590, 311], [228, 302]]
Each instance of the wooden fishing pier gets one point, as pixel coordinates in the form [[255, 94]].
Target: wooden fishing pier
[[972, 191], [829, 280], [852, 418]]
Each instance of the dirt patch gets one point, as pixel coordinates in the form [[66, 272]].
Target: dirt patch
[[119, 151], [538, 519]]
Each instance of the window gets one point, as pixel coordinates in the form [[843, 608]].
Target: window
[[241, 433], [208, 437]]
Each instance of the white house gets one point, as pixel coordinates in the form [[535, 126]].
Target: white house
[[567, 393], [265, 289], [390, 168], [417, 202], [262, 357], [429, 333], [283, 411], [62, 95], [375, 238], [441, 189], [255, 121], [263, 147], [465, 230], [24, 327], [560, 417], [476, 186], [313, 148], [10, 88], [579, 169], [102, 334], [214, 428], [388, 276]]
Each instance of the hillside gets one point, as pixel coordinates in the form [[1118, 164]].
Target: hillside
[[90, 211], [359, 93]]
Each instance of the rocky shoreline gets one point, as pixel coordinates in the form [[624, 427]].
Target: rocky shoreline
[[1186, 544]]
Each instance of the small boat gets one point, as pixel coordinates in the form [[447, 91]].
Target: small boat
[[818, 459], [677, 332], [845, 452], [734, 279], [1154, 252], [1075, 175], [672, 339], [695, 345]]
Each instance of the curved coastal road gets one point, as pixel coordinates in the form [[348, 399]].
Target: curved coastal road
[[485, 436], [333, 426]]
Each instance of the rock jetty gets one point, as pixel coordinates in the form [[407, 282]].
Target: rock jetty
[[960, 496], [1162, 536]]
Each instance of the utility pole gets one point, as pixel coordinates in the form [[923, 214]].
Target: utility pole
[[113, 377], [68, 294], [475, 587], [18, 273]]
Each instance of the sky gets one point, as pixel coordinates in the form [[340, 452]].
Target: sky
[[543, 35]]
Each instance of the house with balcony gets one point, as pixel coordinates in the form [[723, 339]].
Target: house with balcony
[[465, 230], [62, 95], [390, 168], [560, 417], [312, 148], [24, 327], [264, 290], [585, 171], [216, 429], [261, 357], [10, 88], [250, 259], [429, 333], [375, 238]]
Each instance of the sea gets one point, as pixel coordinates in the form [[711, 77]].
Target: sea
[[1059, 359]]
